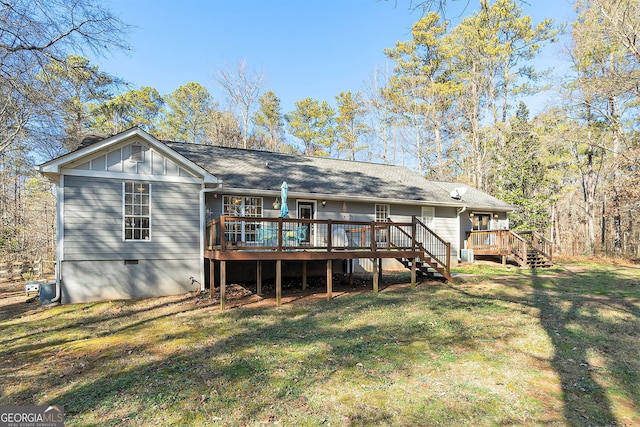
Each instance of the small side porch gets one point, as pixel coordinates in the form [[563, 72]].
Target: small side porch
[[232, 239], [526, 248]]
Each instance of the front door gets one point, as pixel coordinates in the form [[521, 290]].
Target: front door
[[306, 210]]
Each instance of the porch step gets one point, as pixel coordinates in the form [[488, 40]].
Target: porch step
[[426, 268], [536, 259]]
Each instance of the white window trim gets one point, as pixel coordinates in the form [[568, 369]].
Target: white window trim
[[381, 236], [124, 215], [243, 212], [387, 208]]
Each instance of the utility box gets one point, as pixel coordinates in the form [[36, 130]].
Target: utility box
[[466, 255], [47, 292], [31, 287]]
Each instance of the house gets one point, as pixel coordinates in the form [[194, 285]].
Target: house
[[140, 217]]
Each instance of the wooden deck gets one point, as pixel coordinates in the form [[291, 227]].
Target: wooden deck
[[285, 239], [527, 248]]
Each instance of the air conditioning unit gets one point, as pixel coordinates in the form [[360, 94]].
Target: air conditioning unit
[[466, 255]]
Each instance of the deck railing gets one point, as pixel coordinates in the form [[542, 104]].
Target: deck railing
[[495, 242], [433, 245], [231, 233], [539, 243], [508, 243], [244, 233], [428, 242], [518, 247]]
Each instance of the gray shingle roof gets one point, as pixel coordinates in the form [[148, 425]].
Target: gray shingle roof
[[326, 178]]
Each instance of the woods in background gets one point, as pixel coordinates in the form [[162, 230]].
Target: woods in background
[[453, 106]]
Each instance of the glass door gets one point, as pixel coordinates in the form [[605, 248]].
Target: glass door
[[306, 210]]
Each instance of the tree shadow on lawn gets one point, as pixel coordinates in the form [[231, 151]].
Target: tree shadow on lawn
[[238, 369], [236, 372], [587, 342], [594, 332], [39, 321]]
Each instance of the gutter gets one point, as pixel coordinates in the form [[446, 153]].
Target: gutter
[[460, 210], [319, 196], [59, 239], [56, 300], [203, 225]]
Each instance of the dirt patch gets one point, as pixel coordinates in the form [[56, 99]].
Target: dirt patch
[[13, 300], [244, 294]]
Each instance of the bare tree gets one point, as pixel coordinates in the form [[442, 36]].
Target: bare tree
[[425, 6], [36, 32], [621, 19], [243, 90]]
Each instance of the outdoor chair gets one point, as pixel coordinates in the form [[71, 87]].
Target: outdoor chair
[[294, 236], [267, 235]]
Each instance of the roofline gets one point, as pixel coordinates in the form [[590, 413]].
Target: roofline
[[334, 196], [344, 197], [52, 168]]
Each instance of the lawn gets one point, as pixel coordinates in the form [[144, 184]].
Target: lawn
[[500, 346]]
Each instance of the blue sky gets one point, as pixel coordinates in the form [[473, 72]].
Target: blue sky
[[305, 48]]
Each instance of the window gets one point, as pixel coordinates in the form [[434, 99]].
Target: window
[[241, 231], [480, 222], [137, 211], [382, 214], [137, 153]]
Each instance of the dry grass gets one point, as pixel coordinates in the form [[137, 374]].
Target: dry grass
[[500, 347]]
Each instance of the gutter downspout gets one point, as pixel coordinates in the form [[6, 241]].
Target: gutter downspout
[[203, 226], [460, 210], [59, 240]]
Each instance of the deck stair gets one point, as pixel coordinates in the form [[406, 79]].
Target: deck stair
[[426, 268], [525, 248], [434, 253], [536, 259], [531, 249]]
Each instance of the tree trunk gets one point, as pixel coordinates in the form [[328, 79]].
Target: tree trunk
[[438, 141], [589, 203], [617, 223]]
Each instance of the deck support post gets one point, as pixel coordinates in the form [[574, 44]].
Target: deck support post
[[212, 278], [380, 268], [352, 264], [413, 271], [329, 279], [304, 275], [376, 276], [259, 278], [504, 260], [278, 282], [223, 284]]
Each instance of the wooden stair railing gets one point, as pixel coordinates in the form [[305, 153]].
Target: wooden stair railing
[[542, 245], [531, 249], [435, 253], [518, 247]]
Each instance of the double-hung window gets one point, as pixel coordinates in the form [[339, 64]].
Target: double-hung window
[[137, 211]]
